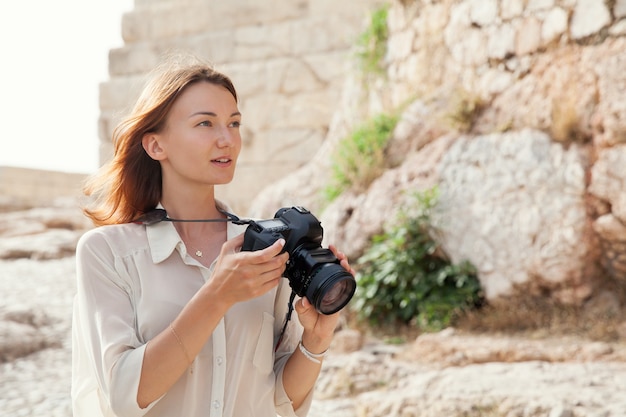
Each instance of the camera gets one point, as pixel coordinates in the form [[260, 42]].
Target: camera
[[312, 271]]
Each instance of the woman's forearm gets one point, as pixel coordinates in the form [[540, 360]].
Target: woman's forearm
[[300, 373], [171, 352]]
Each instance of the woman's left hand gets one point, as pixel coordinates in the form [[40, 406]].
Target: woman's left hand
[[319, 328]]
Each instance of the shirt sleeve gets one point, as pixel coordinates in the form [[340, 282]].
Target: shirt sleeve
[[289, 344], [104, 332]]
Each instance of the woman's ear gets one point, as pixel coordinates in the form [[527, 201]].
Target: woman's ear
[[150, 143]]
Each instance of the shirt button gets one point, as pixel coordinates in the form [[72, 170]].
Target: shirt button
[[216, 404], [219, 360]]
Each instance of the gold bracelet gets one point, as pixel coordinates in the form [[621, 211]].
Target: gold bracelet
[[189, 361]]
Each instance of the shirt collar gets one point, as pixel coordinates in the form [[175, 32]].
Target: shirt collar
[[163, 237]]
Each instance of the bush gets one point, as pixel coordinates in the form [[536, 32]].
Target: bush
[[360, 158], [404, 277]]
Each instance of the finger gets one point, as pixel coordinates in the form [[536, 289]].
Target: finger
[[339, 254], [346, 265], [264, 255], [343, 259], [273, 269]]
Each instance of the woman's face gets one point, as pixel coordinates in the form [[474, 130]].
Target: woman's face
[[201, 141]]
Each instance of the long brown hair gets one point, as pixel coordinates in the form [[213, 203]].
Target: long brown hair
[[130, 184]]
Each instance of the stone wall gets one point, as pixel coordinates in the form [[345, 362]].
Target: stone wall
[[515, 111], [33, 187], [287, 58]]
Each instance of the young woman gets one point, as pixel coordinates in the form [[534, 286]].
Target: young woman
[[171, 318]]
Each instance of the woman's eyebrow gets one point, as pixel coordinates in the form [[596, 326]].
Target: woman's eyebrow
[[210, 113]]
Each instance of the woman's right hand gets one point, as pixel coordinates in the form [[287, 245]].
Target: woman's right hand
[[243, 275]]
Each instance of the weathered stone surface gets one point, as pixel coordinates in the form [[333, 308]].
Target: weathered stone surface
[[514, 205]]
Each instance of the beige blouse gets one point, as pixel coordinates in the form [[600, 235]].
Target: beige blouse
[[133, 280]]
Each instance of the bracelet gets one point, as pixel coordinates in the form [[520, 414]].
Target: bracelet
[[181, 344], [313, 357]]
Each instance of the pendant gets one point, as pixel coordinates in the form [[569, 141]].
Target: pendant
[[199, 253]]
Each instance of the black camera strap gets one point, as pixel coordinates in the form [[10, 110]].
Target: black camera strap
[[287, 318], [160, 215]]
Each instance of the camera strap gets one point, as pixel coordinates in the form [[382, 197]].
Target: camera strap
[[292, 297], [160, 215]]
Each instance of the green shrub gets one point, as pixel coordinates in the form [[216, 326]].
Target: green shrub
[[372, 43], [360, 158], [404, 277]]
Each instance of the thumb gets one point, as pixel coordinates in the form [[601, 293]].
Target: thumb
[[303, 305]]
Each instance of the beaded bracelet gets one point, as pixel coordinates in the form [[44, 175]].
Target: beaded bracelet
[[313, 357]]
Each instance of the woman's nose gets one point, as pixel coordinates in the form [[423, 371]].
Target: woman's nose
[[225, 138]]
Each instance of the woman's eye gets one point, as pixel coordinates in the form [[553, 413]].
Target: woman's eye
[[235, 124], [204, 123]]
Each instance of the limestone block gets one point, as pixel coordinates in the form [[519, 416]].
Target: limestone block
[[528, 36], [277, 111], [554, 25], [501, 41], [169, 21], [119, 93], [247, 86], [262, 42], [330, 68], [539, 5], [136, 59], [510, 9], [589, 17], [339, 33], [483, 12], [465, 42]]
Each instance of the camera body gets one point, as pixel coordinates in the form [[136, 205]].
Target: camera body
[[312, 271]]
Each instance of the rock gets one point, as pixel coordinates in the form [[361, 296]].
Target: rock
[[21, 334]]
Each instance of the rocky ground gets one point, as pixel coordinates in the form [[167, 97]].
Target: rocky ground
[[450, 373]]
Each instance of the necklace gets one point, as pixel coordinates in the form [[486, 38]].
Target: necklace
[[199, 253]]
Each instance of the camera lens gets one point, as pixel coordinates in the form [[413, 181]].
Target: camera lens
[[331, 288]]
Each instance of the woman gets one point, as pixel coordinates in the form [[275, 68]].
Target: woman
[[170, 317]]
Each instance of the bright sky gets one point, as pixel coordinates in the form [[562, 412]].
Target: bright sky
[[54, 56]]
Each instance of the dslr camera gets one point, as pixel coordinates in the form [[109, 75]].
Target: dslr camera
[[313, 272]]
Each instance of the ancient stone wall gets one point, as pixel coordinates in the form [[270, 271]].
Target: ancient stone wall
[[33, 187], [287, 58], [514, 110]]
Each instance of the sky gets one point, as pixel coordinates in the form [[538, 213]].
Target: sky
[[54, 56]]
